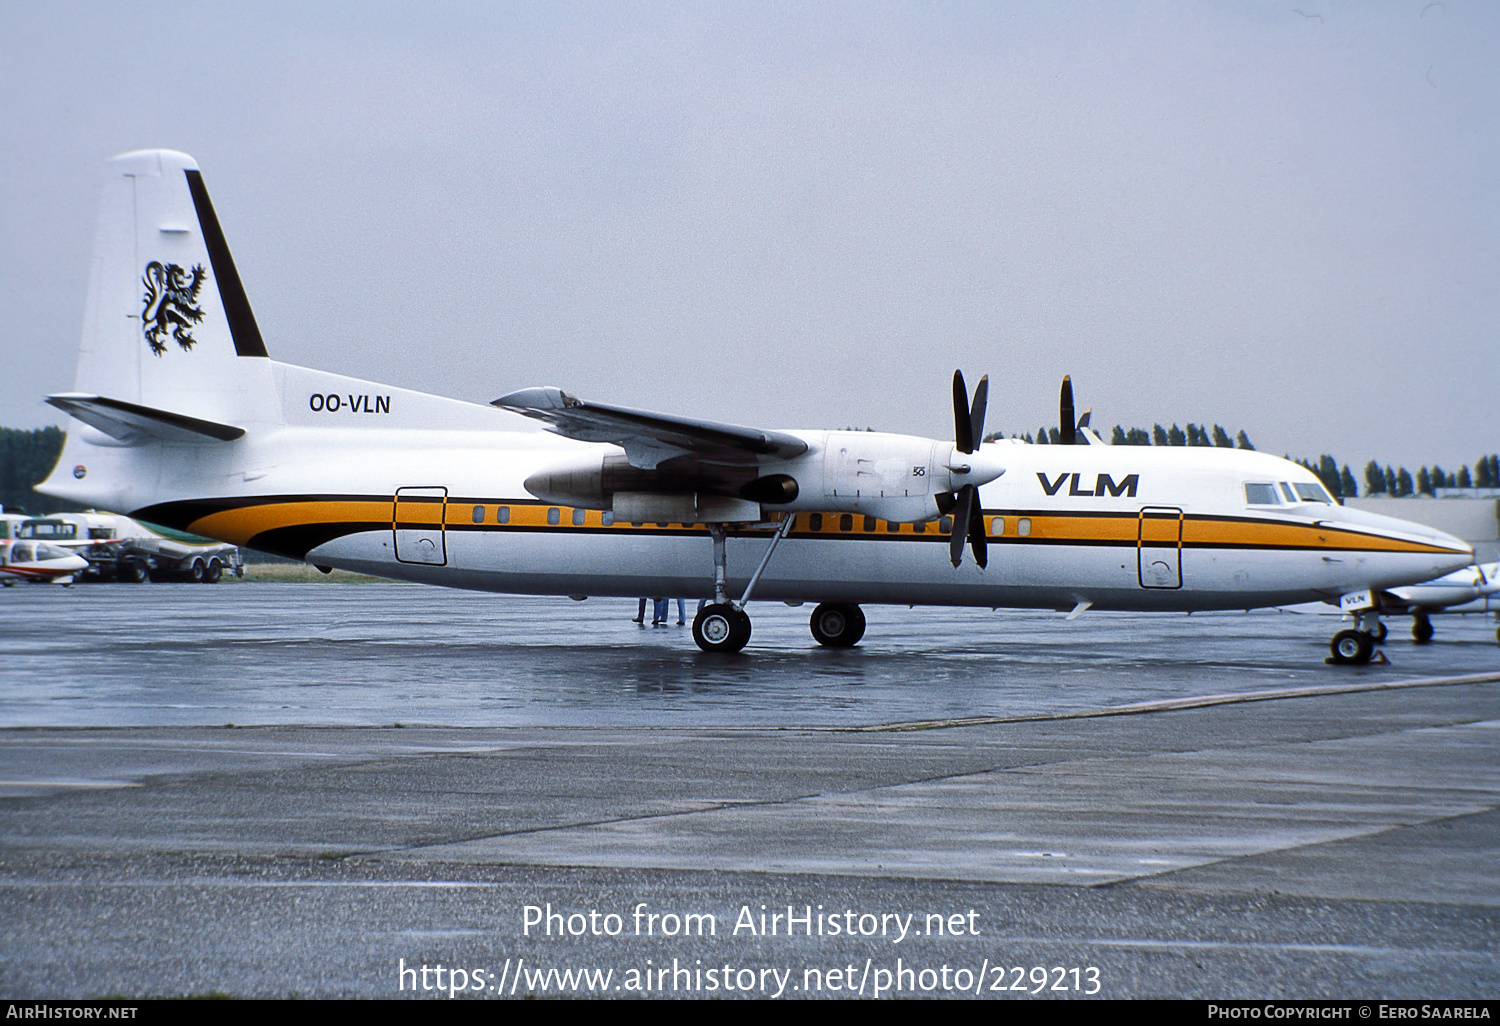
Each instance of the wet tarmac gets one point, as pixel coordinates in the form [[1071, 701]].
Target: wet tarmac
[[1187, 806], [378, 654]]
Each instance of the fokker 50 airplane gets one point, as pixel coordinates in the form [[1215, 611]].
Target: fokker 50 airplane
[[186, 422]]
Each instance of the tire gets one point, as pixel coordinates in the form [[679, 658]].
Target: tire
[[1421, 629], [1352, 648], [1379, 633], [198, 571], [721, 628], [133, 571], [214, 572], [837, 624]]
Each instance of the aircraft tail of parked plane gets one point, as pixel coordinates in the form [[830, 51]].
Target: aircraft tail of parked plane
[[184, 420]]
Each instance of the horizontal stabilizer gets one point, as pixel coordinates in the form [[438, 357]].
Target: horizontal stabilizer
[[132, 424], [651, 438]]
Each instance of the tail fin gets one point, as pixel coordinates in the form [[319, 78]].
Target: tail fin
[[167, 326]]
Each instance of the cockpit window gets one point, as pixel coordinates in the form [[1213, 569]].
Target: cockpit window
[[1313, 493], [20, 552], [1286, 490], [1261, 495]]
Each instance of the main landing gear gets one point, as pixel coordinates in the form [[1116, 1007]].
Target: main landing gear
[[1354, 648], [838, 624], [723, 626]]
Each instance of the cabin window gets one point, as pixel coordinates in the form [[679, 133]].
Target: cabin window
[[20, 552], [554, 516], [1023, 527], [815, 522], [478, 516], [846, 522], [100, 533], [47, 529], [1286, 490], [578, 516], [1261, 494], [893, 527], [945, 525], [919, 527], [1313, 493], [502, 515], [869, 524], [997, 526], [607, 518]]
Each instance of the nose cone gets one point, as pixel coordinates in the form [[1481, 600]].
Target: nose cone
[[1441, 553], [975, 468], [74, 562]]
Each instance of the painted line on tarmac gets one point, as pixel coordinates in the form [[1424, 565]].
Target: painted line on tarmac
[[1174, 704]]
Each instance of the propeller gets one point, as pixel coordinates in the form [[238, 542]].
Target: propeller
[[968, 433], [1065, 418]]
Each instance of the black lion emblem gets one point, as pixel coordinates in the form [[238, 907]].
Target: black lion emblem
[[171, 307]]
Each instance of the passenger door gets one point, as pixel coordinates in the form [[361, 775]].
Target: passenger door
[[1159, 547], [417, 522]]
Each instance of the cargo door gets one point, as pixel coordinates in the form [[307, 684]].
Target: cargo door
[[1159, 547], [417, 521]]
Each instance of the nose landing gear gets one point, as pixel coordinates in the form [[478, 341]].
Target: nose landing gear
[[1352, 647], [1356, 647], [1421, 628]]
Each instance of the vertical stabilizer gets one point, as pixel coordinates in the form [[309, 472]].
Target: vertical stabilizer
[[167, 324]]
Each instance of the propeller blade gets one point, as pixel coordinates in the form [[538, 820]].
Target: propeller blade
[[963, 426], [977, 538], [1065, 421], [961, 517], [976, 413]]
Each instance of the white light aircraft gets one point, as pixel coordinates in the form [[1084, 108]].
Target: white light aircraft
[[185, 421], [1474, 589], [38, 562]]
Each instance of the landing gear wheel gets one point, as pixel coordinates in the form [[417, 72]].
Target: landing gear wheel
[[837, 624], [133, 571], [1378, 633], [197, 571], [214, 572], [1352, 647], [1421, 629], [721, 628]]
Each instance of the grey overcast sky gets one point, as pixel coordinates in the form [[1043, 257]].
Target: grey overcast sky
[[1281, 217]]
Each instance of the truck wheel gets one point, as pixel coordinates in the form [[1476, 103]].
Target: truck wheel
[[198, 571], [214, 572], [133, 571]]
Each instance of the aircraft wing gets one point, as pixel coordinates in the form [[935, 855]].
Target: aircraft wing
[[651, 438]]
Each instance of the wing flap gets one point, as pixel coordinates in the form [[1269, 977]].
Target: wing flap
[[650, 438], [135, 425]]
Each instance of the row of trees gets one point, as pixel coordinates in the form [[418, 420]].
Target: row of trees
[[1398, 481], [1158, 435], [26, 457]]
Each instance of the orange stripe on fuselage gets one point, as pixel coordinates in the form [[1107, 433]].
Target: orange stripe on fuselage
[[238, 526]]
